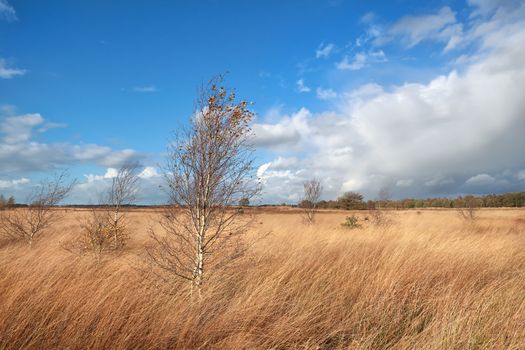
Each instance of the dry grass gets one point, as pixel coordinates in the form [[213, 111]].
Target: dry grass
[[430, 281]]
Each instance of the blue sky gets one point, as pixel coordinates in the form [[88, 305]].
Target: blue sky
[[421, 98]]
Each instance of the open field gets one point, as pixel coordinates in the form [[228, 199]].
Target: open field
[[428, 281]]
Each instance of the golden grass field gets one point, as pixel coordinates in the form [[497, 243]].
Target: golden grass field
[[428, 281]]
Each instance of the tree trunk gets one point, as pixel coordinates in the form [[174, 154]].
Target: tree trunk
[[115, 228], [199, 263]]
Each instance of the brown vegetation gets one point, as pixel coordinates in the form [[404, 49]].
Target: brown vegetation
[[428, 281]]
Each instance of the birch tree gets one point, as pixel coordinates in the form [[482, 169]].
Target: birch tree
[[30, 223], [105, 228], [312, 194], [209, 169], [123, 191]]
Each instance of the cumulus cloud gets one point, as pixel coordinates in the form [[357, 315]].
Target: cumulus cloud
[[13, 183], [283, 135], [19, 128], [92, 189], [149, 172], [20, 151], [480, 180], [460, 132], [7, 72]]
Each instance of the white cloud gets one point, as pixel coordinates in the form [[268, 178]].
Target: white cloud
[[324, 51], [19, 128], [365, 91], [114, 158], [13, 183], [459, 129], [521, 175], [7, 11], [325, 94], [6, 72], [301, 86], [147, 88], [414, 29], [285, 134], [411, 30], [111, 173], [480, 180], [92, 190], [361, 60], [20, 152], [149, 172], [358, 62]]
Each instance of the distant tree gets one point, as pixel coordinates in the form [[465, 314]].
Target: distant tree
[[11, 201], [469, 208], [244, 202], [312, 194], [29, 223], [379, 216], [383, 197], [123, 191], [106, 227], [351, 200]]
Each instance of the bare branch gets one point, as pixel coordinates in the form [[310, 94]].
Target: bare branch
[[29, 223], [312, 195]]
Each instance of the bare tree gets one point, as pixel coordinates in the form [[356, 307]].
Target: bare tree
[[378, 213], [312, 194], [209, 169], [123, 191], [106, 227], [383, 197], [469, 209], [244, 202], [29, 223]]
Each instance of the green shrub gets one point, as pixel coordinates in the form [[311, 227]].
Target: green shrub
[[351, 222]]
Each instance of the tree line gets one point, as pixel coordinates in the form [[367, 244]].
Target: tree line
[[355, 201]]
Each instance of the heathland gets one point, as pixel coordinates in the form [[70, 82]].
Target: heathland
[[423, 279]]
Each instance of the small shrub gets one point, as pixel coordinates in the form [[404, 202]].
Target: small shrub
[[96, 235], [351, 222], [380, 218]]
